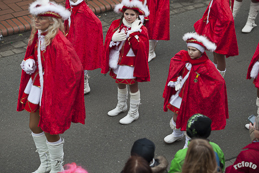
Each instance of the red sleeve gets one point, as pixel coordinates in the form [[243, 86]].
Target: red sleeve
[[106, 52], [140, 46]]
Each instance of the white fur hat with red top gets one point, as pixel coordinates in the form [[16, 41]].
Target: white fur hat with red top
[[199, 42], [139, 5], [49, 9]]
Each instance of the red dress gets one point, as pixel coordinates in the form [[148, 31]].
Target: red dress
[[253, 61], [217, 24], [138, 43], [86, 35], [62, 99], [203, 92], [158, 23]]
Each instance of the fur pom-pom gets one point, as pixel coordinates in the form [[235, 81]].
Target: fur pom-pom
[[255, 70]]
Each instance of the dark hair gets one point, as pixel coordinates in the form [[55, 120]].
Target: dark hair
[[136, 164], [123, 16], [200, 158]]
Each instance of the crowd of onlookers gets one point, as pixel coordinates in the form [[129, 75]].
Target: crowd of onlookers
[[201, 155]]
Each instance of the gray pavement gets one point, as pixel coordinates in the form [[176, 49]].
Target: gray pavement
[[102, 144]]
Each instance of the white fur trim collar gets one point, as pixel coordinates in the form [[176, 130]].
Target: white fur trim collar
[[124, 21], [204, 40], [43, 6]]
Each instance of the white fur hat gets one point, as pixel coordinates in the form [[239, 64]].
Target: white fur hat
[[50, 9], [194, 38], [139, 5]]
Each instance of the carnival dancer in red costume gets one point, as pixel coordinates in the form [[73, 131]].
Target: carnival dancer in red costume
[[84, 31], [194, 86], [252, 72], [126, 56], [253, 11], [217, 24], [157, 23], [51, 87]]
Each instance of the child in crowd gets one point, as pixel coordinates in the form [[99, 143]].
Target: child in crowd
[[200, 158], [253, 11], [247, 160], [157, 23], [198, 126], [84, 31], [51, 87], [146, 149], [252, 72], [136, 164], [194, 86], [126, 56], [217, 24]]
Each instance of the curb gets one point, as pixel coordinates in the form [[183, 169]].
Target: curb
[[15, 17]]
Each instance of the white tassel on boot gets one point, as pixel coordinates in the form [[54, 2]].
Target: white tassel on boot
[[176, 135], [152, 46], [86, 83], [250, 24], [133, 113], [187, 139], [122, 103], [236, 8], [222, 72], [56, 156], [43, 151]]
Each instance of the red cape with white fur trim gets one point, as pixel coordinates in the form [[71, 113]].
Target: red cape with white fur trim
[[86, 35], [220, 29], [140, 49], [158, 24], [63, 92], [253, 61], [207, 96]]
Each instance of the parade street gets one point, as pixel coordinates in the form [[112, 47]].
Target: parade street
[[103, 145]]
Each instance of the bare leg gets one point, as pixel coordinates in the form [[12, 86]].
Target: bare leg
[[134, 87], [221, 62], [121, 86], [34, 121], [175, 116], [52, 138]]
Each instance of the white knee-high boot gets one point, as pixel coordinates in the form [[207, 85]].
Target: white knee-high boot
[[236, 8], [250, 24], [43, 151], [187, 139], [176, 135], [222, 72], [56, 156], [122, 103], [152, 46], [133, 113], [86, 83]]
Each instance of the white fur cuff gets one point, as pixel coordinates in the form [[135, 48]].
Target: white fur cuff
[[255, 70]]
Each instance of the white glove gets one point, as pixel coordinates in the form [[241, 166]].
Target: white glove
[[119, 36], [28, 66], [136, 25], [255, 70]]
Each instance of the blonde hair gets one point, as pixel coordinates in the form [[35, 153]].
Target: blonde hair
[[200, 158], [52, 30]]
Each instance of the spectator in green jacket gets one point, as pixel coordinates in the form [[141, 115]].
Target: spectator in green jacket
[[198, 126]]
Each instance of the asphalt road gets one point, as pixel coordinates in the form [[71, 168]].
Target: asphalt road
[[102, 144]]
